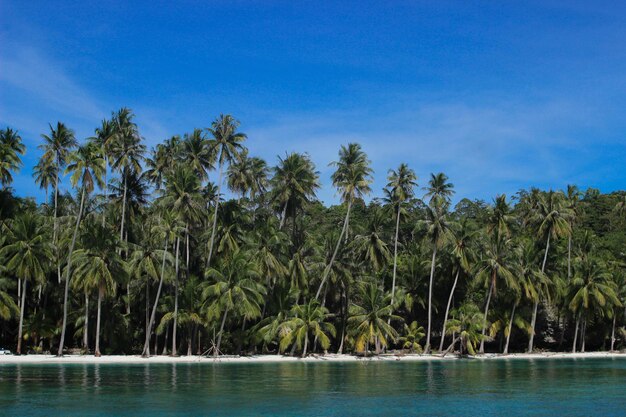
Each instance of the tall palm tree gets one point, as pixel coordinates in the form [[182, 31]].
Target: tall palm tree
[[368, 321], [294, 183], [105, 137], [494, 267], [401, 186], [233, 287], [352, 178], [99, 266], [439, 188], [45, 173], [227, 144], [247, 175], [438, 232], [86, 166], [572, 199], [26, 254], [11, 148], [197, 154], [552, 218], [306, 319], [370, 246]]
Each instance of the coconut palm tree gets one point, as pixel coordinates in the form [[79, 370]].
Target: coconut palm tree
[[439, 188], [26, 254], [306, 320], [247, 175], [401, 187], [86, 166], [494, 267], [370, 246], [368, 321], [8, 307], [227, 144], [11, 148], [437, 230], [294, 183], [411, 337], [197, 154], [233, 287], [466, 326], [99, 266], [553, 220], [352, 178], [572, 202], [45, 173], [105, 137]]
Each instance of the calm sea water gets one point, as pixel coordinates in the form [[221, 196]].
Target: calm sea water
[[584, 387]]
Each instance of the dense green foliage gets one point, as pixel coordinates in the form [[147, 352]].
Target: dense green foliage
[[162, 259]]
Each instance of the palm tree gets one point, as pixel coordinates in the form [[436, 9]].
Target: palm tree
[[552, 218], [352, 178], [11, 148], [26, 253], [413, 333], [247, 175], [105, 137], [593, 290], [494, 267], [86, 166], [99, 266], [438, 232], [226, 143], [401, 187], [306, 319], [45, 173], [8, 308], [439, 188], [370, 247], [294, 183], [233, 287], [460, 240], [572, 199], [197, 154], [467, 324], [369, 319]]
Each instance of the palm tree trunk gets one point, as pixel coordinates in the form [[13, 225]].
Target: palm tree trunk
[[283, 215], [146, 345], [306, 344], [569, 256], [167, 334], [217, 204], [532, 326], [55, 224], [576, 333], [430, 297], [19, 331], [508, 336], [395, 256], [451, 347], [97, 351], [86, 327], [175, 301], [219, 336], [69, 273], [482, 340], [583, 335], [613, 334], [106, 189], [445, 317], [123, 208], [332, 259]]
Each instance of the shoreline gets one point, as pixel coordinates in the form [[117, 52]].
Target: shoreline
[[137, 359]]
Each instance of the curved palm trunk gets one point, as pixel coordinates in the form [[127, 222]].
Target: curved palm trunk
[[123, 208], [219, 336], [86, 327], [395, 256], [445, 317], [19, 331], [306, 344], [217, 205], [55, 224], [613, 334], [583, 333], [106, 189], [332, 259], [508, 337], [283, 215], [69, 273], [175, 324], [430, 297], [482, 340], [534, 319], [451, 347], [97, 351], [569, 257], [576, 333], [146, 345]]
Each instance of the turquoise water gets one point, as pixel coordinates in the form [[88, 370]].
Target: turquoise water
[[584, 387]]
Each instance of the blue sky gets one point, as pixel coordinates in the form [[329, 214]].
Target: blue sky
[[499, 95]]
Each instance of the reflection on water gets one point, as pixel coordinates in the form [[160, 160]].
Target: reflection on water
[[579, 387]]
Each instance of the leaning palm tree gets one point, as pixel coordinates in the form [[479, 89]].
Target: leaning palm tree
[[401, 187], [306, 320], [227, 144], [294, 183], [352, 178], [233, 287], [25, 256], [552, 218], [86, 167], [11, 148], [368, 321], [437, 230], [99, 266]]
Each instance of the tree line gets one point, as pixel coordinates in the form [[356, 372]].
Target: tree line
[[195, 244]]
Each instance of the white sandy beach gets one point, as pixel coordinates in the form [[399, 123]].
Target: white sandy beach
[[136, 359]]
